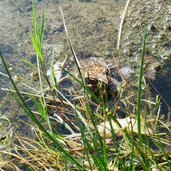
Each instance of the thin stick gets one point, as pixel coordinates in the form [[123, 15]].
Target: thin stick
[[48, 97], [72, 49], [121, 23]]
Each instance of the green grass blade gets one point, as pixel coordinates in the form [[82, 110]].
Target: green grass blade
[[37, 49], [42, 29], [83, 85], [29, 63], [34, 21], [37, 38], [140, 89], [36, 121]]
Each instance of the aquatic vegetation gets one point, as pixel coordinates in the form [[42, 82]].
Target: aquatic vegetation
[[87, 132]]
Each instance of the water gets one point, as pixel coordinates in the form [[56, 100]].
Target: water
[[92, 25], [162, 86]]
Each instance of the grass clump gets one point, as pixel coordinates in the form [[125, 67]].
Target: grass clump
[[93, 136]]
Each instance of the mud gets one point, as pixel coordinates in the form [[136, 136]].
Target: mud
[[152, 17]]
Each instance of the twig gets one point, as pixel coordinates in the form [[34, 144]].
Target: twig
[[121, 23], [48, 97], [72, 49]]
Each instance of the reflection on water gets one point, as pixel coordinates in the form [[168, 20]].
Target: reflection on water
[[162, 86]]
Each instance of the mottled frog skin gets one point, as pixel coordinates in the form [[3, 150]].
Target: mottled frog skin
[[97, 77], [95, 70]]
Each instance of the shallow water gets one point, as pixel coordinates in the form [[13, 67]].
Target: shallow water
[[93, 28], [162, 86], [92, 25]]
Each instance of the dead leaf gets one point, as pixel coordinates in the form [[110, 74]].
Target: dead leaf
[[128, 123], [154, 169], [57, 69]]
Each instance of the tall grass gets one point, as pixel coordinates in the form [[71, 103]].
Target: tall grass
[[102, 140], [140, 89]]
